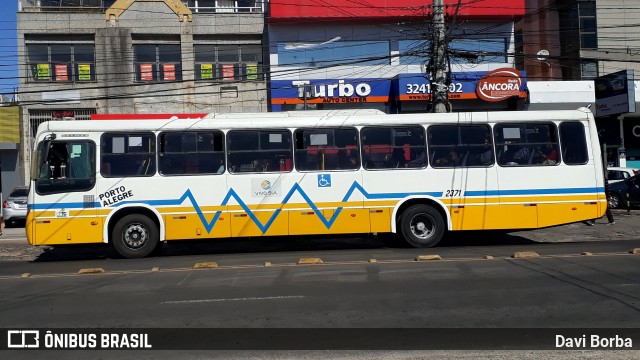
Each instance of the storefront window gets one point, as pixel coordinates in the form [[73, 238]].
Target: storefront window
[[61, 62], [157, 63], [320, 54], [228, 62]]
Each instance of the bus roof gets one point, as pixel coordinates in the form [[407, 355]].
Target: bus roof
[[311, 119]]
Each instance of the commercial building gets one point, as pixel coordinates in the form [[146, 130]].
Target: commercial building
[[83, 57], [372, 55], [582, 40]]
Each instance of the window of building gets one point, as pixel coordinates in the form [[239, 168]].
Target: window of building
[[392, 147], [223, 6], [61, 62], [588, 25], [588, 69], [191, 152], [157, 62], [483, 50], [327, 149], [130, 154], [228, 62], [256, 151], [574, 143], [460, 145], [413, 52], [527, 144], [310, 54]]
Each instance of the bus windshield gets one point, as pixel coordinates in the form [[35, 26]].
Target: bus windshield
[[64, 166]]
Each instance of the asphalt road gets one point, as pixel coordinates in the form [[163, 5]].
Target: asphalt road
[[360, 284]]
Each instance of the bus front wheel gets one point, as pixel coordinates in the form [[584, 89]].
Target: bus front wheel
[[135, 236], [422, 226]]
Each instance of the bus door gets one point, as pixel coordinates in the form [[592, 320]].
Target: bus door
[[64, 205], [519, 176], [462, 158], [329, 194]]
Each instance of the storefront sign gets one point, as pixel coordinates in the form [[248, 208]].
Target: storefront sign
[[84, 72], [615, 93], [63, 115], [42, 71], [499, 85], [252, 71], [330, 91], [464, 86], [146, 72], [169, 72], [227, 72], [62, 73], [206, 71]]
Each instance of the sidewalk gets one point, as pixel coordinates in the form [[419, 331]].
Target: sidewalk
[[626, 227]]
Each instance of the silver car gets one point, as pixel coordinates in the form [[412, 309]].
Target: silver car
[[14, 208]]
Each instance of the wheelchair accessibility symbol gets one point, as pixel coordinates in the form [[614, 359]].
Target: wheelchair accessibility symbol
[[324, 180]]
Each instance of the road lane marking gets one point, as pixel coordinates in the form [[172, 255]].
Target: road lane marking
[[184, 279], [233, 299]]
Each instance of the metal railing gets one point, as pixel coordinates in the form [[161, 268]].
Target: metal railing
[[65, 5], [204, 6], [196, 6]]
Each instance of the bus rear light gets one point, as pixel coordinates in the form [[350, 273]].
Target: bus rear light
[[5, 204]]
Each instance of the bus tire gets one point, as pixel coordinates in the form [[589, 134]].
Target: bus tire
[[615, 201], [422, 226], [135, 236]]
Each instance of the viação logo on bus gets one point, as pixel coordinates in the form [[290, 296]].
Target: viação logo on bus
[[500, 84]]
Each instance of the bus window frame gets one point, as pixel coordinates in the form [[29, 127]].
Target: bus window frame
[[358, 148], [258, 130], [433, 163], [390, 127], [529, 145], [129, 134], [196, 131]]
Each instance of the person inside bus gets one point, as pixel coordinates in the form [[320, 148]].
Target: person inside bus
[[451, 159], [517, 155], [419, 161], [388, 162], [548, 155]]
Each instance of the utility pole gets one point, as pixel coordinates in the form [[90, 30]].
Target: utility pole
[[439, 72]]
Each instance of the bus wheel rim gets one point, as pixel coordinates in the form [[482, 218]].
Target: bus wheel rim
[[135, 236], [422, 226]]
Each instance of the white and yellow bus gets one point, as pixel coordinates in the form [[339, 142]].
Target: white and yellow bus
[[137, 184]]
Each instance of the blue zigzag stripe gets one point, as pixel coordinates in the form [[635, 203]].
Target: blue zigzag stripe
[[328, 222]]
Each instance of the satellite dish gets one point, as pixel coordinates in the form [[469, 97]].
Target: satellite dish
[[542, 55]]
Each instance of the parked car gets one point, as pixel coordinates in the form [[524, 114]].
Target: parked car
[[14, 208], [615, 174], [618, 191]]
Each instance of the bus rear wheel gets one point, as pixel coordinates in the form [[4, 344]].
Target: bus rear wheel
[[135, 236], [422, 226]]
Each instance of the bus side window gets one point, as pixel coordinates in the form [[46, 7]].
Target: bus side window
[[574, 143]]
